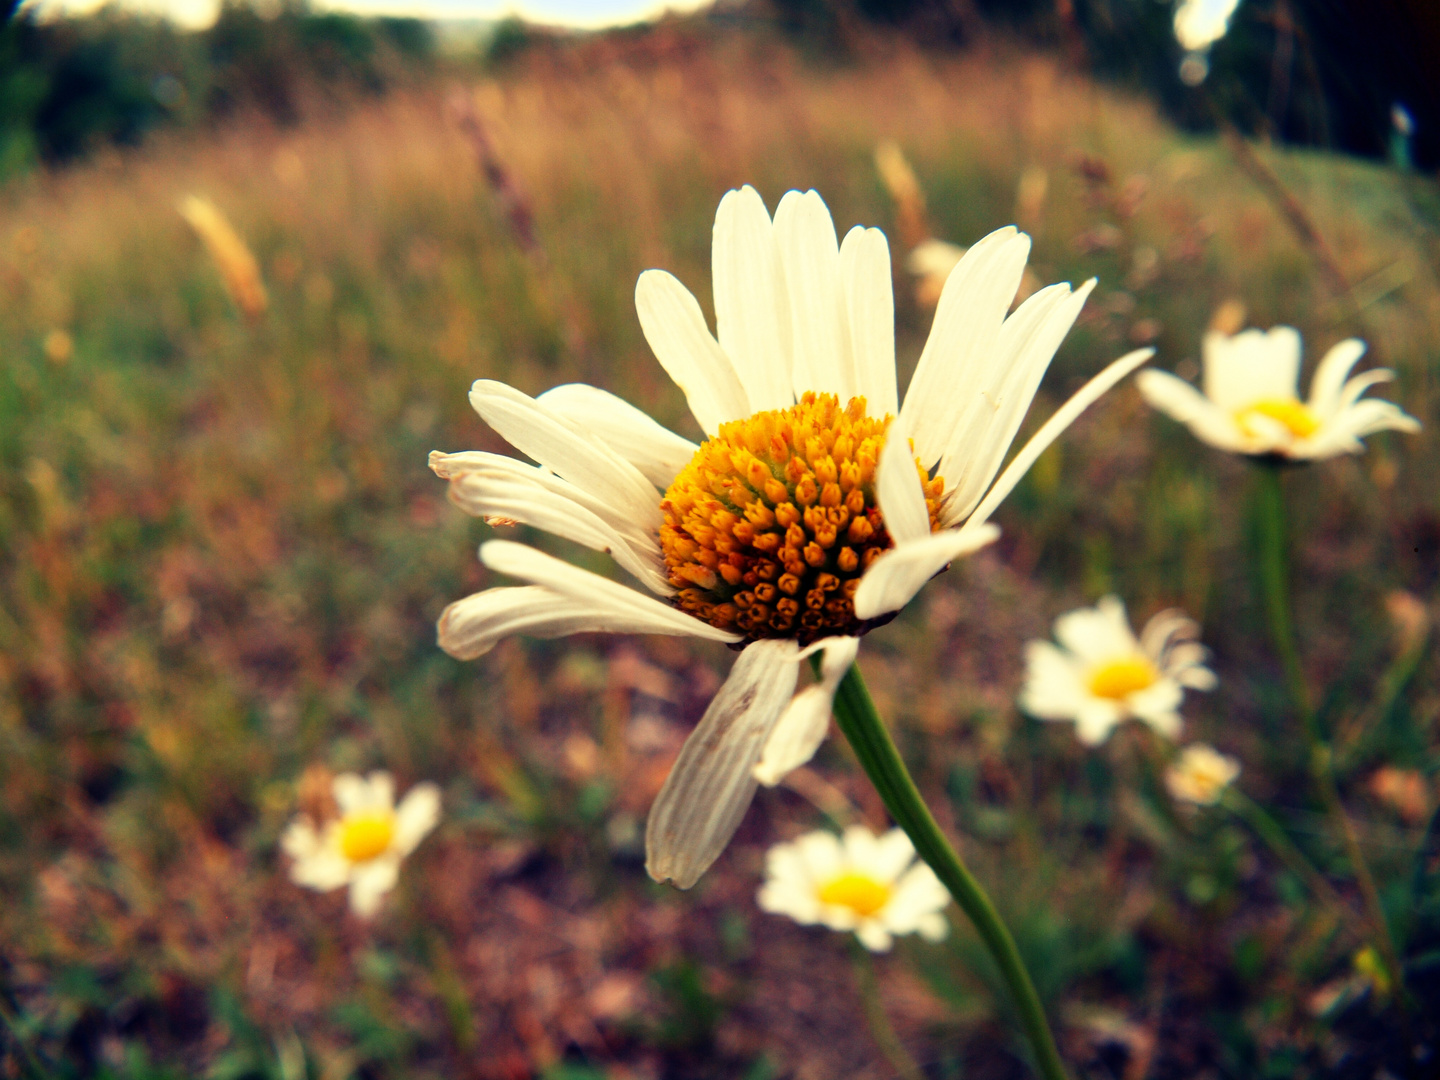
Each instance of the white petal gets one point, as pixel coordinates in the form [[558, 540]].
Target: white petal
[[518, 560], [933, 927], [810, 256], [752, 312], [655, 450], [897, 575], [370, 883], [471, 627], [1252, 365], [870, 310], [351, 792], [300, 839], [1052, 429], [675, 327], [485, 495], [417, 814], [323, 871], [960, 352], [380, 790], [806, 720], [548, 438], [1330, 376], [874, 936], [1028, 341], [711, 782], [898, 490], [1095, 719], [455, 467], [1097, 635], [822, 855], [1053, 688], [1181, 401]]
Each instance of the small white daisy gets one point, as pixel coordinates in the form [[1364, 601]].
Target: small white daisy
[[816, 507], [1102, 674], [858, 882], [1201, 774], [1251, 403], [364, 846]]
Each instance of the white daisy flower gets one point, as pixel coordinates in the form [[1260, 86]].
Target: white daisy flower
[[798, 524], [364, 846], [1102, 674], [1201, 774], [857, 882], [1201, 23], [1251, 403]]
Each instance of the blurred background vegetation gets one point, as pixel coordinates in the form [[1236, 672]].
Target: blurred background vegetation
[[222, 555]]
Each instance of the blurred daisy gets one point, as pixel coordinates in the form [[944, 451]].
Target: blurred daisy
[[364, 846], [1201, 774], [811, 513], [1101, 674], [858, 882], [1251, 403], [931, 261]]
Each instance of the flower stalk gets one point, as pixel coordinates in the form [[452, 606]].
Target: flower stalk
[[857, 717], [880, 1027], [1275, 584]]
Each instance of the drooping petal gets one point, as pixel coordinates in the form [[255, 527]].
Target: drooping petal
[[1330, 376], [552, 441], [486, 496], [870, 310], [873, 935], [675, 327], [369, 884], [752, 309], [810, 256], [417, 814], [959, 356], [655, 450], [806, 720], [712, 782], [1159, 706], [518, 560], [1051, 430], [471, 627], [897, 488], [1027, 343], [1181, 401], [455, 467], [896, 576]]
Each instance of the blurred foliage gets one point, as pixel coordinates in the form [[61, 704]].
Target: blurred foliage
[[71, 85], [222, 556]]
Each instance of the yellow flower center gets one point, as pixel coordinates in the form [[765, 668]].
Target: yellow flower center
[[366, 835], [860, 893], [1294, 416], [1118, 679], [770, 526]]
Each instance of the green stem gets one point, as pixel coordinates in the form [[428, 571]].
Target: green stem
[[885, 1037], [1270, 831], [1275, 581], [855, 713]]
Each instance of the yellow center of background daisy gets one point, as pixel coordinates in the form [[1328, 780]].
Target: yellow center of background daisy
[[770, 526], [1294, 416], [365, 836], [1118, 679], [858, 892]]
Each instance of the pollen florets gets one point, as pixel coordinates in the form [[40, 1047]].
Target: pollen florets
[[769, 528]]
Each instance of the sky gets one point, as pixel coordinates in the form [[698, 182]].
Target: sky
[[580, 13]]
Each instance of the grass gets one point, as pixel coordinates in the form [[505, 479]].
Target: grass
[[222, 555]]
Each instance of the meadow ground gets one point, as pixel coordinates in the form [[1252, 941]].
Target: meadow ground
[[222, 556]]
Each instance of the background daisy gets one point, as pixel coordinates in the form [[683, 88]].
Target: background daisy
[[364, 846], [1101, 673], [858, 882]]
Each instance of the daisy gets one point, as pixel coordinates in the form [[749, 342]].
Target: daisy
[[1201, 774], [364, 846], [1101, 674], [1251, 403], [814, 510], [857, 882]]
